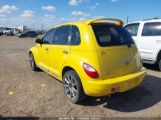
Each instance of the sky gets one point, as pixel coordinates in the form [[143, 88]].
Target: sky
[[47, 13]]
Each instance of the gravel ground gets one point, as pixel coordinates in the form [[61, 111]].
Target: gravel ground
[[27, 93]]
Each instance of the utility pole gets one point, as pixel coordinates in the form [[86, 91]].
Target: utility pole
[[127, 19]]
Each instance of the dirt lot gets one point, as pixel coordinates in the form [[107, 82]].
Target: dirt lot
[[38, 94]]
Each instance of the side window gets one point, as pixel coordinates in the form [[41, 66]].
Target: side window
[[75, 36], [152, 29], [132, 29], [61, 36], [49, 36]]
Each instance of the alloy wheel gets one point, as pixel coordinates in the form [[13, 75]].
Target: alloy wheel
[[70, 87]]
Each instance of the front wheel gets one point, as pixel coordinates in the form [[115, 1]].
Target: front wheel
[[73, 87], [32, 62]]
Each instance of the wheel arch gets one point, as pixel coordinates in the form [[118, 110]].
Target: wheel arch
[[67, 68], [33, 50], [78, 69], [30, 52], [74, 63]]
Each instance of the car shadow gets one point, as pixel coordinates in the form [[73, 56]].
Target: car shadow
[[140, 98]]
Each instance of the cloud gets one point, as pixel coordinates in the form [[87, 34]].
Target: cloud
[[79, 13], [62, 19], [74, 2], [2, 16], [49, 16], [94, 6], [114, 0], [49, 8], [2, 20], [99, 17], [27, 14], [7, 9], [72, 19], [82, 19]]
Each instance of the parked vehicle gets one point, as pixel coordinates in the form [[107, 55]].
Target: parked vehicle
[[147, 36], [1, 32], [8, 31], [94, 58], [31, 34]]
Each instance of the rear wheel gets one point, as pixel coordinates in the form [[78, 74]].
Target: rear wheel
[[32, 62], [159, 64], [72, 87]]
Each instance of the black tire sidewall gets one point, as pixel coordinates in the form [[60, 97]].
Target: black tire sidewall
[[34, 68], [159, 64]]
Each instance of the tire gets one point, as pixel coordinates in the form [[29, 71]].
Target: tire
[[73, 87], [159, 64], [32, 62]]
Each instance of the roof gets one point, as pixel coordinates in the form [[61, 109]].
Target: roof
[[153, 19], [146, 20]]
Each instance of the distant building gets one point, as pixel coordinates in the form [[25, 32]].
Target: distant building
[[22, 28]]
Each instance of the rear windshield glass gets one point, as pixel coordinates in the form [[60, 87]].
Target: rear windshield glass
[[110, 35]]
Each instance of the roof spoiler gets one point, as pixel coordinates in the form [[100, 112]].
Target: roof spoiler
[[119, 22]]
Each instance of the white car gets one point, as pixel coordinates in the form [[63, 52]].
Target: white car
[[147, 36], [7, 31]]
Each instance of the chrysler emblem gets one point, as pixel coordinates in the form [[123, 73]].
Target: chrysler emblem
[[126, 62]]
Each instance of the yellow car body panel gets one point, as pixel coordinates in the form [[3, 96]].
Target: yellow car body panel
[[124, 83], [107, 61]]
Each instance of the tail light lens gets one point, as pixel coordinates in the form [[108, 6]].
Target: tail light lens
[[90, 71]]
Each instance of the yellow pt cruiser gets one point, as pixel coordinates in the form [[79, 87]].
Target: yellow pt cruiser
[[95, 57]]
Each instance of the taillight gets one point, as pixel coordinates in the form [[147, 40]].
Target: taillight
[[91, 72]]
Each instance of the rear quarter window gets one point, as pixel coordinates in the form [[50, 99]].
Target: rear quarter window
[[75, 36], [107, 35]]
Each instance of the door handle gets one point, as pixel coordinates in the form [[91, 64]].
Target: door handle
[[158, 41], [65, 52]]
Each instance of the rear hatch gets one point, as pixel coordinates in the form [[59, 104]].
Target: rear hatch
[[116, 50]]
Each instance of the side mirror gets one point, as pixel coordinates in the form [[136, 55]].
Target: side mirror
[[39, 41]]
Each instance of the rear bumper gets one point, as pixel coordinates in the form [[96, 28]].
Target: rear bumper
[[121, 84]]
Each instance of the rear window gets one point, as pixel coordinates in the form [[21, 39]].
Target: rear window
[[109, 35]]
